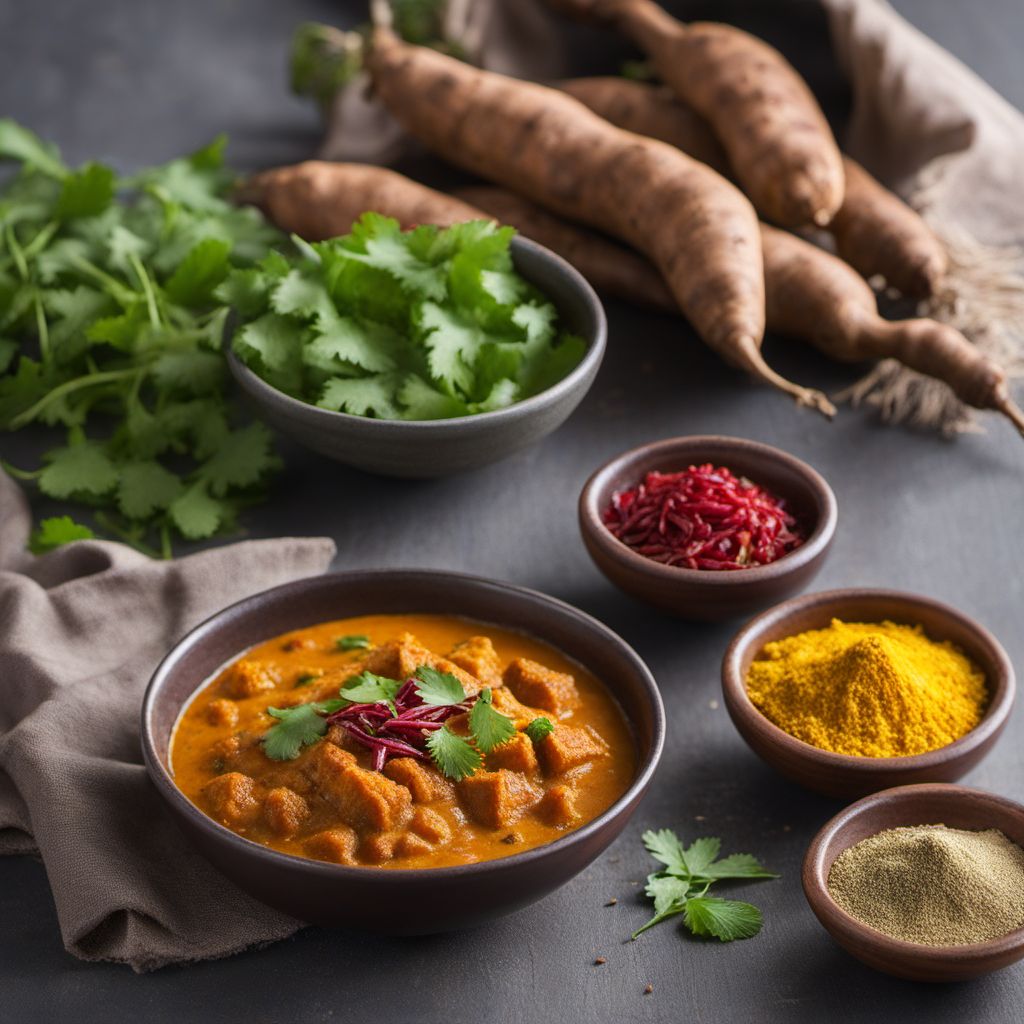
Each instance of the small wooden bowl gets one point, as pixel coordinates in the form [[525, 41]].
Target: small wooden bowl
[[843, 775], [705, 594], [953, 806]]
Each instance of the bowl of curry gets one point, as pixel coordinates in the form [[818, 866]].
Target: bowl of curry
[[402, 751]]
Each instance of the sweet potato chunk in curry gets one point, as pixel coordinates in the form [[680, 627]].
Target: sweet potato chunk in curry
[[331, 802]]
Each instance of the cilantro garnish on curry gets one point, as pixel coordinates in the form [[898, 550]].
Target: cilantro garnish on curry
[[358, 742]]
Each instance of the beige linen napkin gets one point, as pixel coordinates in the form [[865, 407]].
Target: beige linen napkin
[[81, 631]]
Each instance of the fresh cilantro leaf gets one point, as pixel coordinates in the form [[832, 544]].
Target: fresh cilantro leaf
[[669, 894], [368, 688], [146, 487], [296, 728], [18, 143], [77, 470], [352, 642], [86, 192], [196, 514], [422, 401], [343, 340], [246, 291], [504, 393], [664, 846], [361, 396], [54, 532], [242, 459], [539, 728], [489, 728], [537, 320], [301, 295], [193, 371], [456, 758], [438, 689], [75, 310], [700, 853], [272, 347], [306, 678], [725, 920], [737, 865], [453, 342], [383, 245], [199, 273], [554, 363]]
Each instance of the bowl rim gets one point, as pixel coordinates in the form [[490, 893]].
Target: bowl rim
[[1002, 687], [163, 781], [817, 541], [264, 392], [814, 878]]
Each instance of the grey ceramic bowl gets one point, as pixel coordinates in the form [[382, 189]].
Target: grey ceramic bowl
[[701, 594], [432, 448], [378, 899]]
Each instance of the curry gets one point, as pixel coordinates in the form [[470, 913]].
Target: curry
[[410, 741]]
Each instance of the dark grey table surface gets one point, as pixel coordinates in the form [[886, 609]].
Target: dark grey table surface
[[137, 83]]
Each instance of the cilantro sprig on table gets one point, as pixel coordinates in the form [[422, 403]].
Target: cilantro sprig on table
[[111, 318], [456, 756], [681, 887], [417, 325]]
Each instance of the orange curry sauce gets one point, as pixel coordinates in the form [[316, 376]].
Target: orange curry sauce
[[330, 805]]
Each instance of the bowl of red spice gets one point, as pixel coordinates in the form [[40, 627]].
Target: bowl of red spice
[[708, 527]]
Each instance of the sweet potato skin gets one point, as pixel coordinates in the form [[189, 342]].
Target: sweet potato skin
[[318, 200], [778, 141], [698, 229], [610, 268], [815, 296], [877, 233], [874, 230]]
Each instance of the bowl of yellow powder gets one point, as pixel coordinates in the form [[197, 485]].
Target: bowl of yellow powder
[[852, 691], [925, 882]]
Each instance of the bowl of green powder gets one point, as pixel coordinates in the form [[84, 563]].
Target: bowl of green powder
[[924, 882]]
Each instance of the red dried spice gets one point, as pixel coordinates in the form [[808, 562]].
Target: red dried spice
[[704, 517]]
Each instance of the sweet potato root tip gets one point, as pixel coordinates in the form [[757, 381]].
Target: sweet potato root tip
[[1011, 411], [754, 363]]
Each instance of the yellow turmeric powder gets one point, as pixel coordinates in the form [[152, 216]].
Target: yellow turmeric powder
[[873, 689]]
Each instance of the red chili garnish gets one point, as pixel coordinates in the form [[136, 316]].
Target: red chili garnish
[[399, 733], [703, 518]]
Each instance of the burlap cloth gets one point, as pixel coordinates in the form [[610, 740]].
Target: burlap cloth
[[81, 631]]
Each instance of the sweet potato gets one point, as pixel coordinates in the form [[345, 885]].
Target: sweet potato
[[318, 200], [779, 143], [695, 226], [874, 230], [877, 233], [815, 296]]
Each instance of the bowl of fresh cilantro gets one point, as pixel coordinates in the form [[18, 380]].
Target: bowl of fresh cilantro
[[416, 353]]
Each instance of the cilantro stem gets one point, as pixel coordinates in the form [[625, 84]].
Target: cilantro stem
[[147, 287], [86, 381], [42, 329], [41, 239], [165, 542], [17, 253], [21, 474], [126, 536], [121, 293]]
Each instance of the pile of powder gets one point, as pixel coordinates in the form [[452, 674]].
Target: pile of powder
[[933, 885], [875, 689]]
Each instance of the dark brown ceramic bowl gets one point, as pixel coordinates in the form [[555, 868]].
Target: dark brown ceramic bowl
[[705, 594], [385, 900], [431, 448], [953, 806], [843, 775]]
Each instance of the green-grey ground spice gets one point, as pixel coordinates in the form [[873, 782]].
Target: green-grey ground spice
[[933, 885]]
